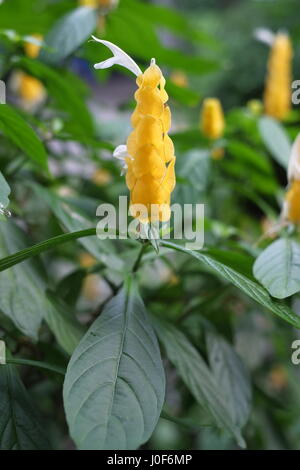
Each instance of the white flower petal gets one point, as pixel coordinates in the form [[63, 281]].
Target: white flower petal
[[120, 152], [264, 35], [119, 57], [294, 161]]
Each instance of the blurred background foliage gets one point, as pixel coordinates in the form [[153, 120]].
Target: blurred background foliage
[[205, 48]]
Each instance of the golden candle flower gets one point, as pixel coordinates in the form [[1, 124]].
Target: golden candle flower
[[212, 118], [291, 210], [149, 154], [277, 95], [30, 90]]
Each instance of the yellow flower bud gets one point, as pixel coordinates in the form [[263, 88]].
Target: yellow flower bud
[[212, 118], [32, 50], [151, 175], [292, 203], [277, 95]]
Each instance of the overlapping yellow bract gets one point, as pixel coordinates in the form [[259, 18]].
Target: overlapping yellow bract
[[212, 118], [292, 199], [277, 95], [151, 175]]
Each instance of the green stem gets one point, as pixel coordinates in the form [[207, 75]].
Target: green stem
[[45, 245], [139, 258], [41, 365]]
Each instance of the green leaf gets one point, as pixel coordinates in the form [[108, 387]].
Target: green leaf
[[242, 282], [193, 169], [74, 219], [182, 94], [278, 268], [22, 135], [20, 428], [171, 19], [69, 287], [68, 34], [45, 245], [4, 192], [65, 327], [22, 288], [197, 377], [275, 139], [65, 91], [231, 376], [114, 386]]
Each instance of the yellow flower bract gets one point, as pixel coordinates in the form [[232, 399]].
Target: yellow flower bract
[[151, 175], [212, 118], [292, 199], [277, 96]]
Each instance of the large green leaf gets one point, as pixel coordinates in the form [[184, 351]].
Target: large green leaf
[[193, 169], [275, 139], [64, 325], [114, 386], [231, 376], [278, 268], [4, 192], [74, 219], [242, 282], [20, 428], [68, 34], [22, 296], [197, 377], [171, 19], [22, 135]]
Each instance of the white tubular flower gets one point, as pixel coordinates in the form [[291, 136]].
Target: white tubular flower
[[122, 154], [294, 162], [264, 35], [119, 58]]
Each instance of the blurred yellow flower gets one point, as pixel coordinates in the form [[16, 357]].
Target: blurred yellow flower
[[292, 200], [101, 177], [218, 153], [277, 95], [98, 3], [291, 209], [179, 78], [212, 118], [32, 50], [255, 106], [151, 175], [86, 260], [30, 90]]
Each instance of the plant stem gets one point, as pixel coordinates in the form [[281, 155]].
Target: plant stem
[[139, 258], [42, 365]]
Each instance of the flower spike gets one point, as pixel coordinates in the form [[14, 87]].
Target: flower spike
[[119, 58]]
